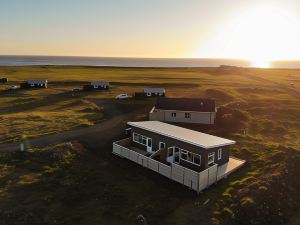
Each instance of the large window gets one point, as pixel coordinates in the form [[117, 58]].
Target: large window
[[190, 157], [219, 153], [140, 139], [211, 158], [184, 155]]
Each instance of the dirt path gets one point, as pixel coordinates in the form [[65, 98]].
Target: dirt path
[[64, 136], [107, 125]]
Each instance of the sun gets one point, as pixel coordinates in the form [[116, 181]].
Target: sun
[[261, 64], [260, 34]]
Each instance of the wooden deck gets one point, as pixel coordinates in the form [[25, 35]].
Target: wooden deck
[[230, 167]]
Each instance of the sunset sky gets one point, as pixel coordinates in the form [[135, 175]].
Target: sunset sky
[[249, 29]]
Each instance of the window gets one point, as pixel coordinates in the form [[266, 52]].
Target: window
[[184, 154], [141, 139], [211, 158], [219, 154], [197, 159], [161, 145], [173, 114], [135, 137], [176, 155], [187, 115], [144, 140], [190, 157]]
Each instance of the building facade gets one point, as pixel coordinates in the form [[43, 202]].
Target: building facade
[[198, 111], [97, 85], [35, 84], [168, 143]]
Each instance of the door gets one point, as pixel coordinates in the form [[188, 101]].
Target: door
[[170, 156], [149, 145], [176, 155]]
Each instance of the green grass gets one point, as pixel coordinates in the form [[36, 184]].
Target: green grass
[[35, 116], [257, 107]]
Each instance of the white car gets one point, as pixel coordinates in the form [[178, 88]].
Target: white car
[[14, 87], [123, 96]]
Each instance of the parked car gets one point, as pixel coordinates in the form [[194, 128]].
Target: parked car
[[13, 87], [123, 96], [75, 90]]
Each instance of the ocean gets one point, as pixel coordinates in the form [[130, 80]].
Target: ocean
[[131, 62]]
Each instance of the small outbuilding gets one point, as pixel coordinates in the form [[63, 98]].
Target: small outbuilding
[[154, 92], [184, 110], [35, 84], [3, 80], [97, 85]]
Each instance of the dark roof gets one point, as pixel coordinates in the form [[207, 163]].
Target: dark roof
[[186, 104]]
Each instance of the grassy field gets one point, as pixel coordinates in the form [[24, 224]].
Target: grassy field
[[259, 108]]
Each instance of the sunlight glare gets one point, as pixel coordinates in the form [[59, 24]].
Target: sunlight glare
[[261, 35]]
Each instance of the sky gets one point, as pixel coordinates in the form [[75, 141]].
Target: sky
[[258, 30]]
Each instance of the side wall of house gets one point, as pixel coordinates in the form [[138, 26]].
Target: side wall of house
[[180, 116], [170, 142]]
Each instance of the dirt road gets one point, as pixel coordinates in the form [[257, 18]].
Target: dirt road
[[117, 119]]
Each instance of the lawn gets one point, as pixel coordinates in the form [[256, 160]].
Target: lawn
[[259, 108]]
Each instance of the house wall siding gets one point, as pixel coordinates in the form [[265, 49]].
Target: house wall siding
[[170, 142], [195, 117]]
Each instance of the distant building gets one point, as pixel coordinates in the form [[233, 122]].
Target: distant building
[[35, 84], [97, 85], [3, 80], [150, 92], [185, 110]]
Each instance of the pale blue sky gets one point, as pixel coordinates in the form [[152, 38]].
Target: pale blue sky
[[134, 28]]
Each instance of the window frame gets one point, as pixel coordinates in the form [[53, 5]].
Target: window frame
[[137, 137], [192, 161], [220, 152], [209, 162], [199, 159], [187, 115]]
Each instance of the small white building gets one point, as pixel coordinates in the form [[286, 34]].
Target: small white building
[[100, 84], [37, 83], [198, 111], [149, 92], [97, 85]]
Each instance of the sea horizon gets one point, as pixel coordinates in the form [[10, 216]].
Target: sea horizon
[[43, 60]]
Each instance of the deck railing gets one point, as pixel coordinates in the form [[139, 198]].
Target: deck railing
[[197, 181]]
